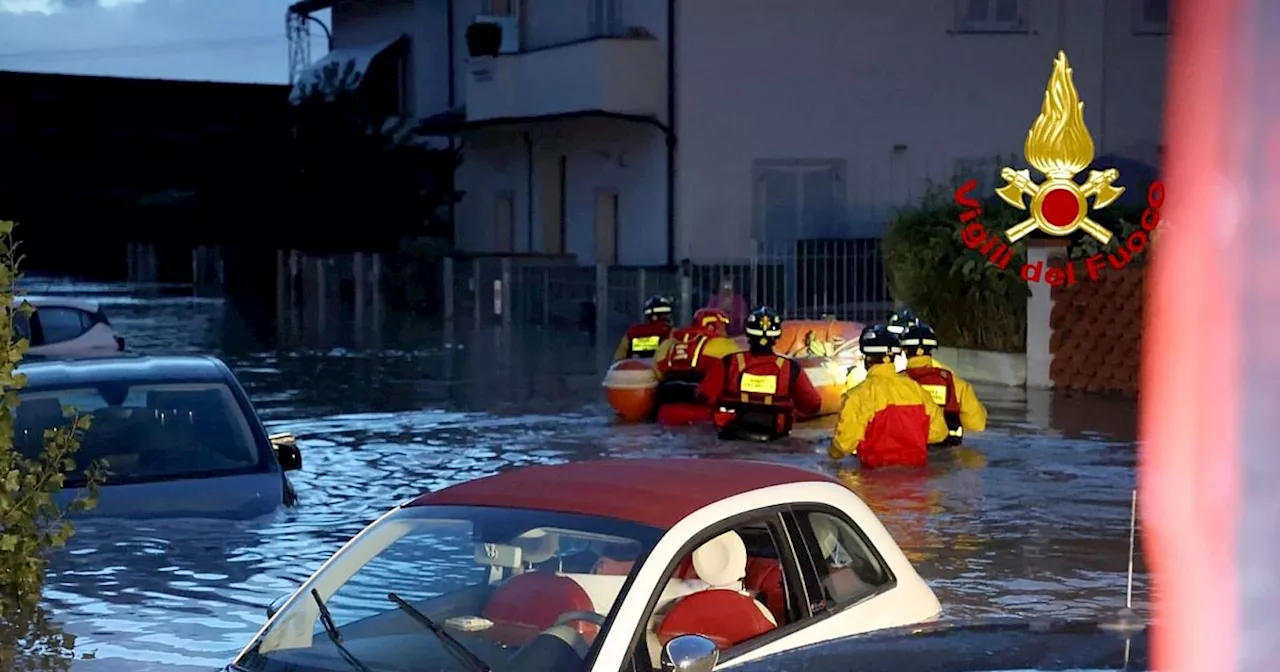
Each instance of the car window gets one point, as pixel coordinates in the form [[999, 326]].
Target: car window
[[729, 611], [61, 324], [21, 328], [147, 432], [847, 567]]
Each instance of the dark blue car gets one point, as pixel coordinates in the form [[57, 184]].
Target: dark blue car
[[178, 434]]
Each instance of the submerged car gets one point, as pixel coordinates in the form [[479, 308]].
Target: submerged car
[[976, 646], [598, 565], [177, 433], [66, 328]]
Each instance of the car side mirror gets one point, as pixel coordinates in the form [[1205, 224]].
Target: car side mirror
[[286, 449], [275, 605], [690, 653]]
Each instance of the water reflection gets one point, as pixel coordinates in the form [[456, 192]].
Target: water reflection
[[1030, 518]]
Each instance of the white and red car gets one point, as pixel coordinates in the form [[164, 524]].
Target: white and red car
[[67, 328], [599, 565]]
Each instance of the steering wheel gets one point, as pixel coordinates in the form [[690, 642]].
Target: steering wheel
[[574, 616]]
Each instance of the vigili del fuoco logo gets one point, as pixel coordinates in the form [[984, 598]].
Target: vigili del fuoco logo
[[1060, 147]]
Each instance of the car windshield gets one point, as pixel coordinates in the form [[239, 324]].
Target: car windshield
[[520, 590], [146, 432]]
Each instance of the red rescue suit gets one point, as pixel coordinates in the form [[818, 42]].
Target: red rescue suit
[[940, 384], [682, 367], [758, 395], [642, 338]]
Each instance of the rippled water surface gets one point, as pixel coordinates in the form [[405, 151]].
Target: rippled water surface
[[1031, 517]]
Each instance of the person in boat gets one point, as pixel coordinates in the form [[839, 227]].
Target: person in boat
[[756, 394], [643, 338], [682, 361], [731, 303], [959, 403], [888, 419]]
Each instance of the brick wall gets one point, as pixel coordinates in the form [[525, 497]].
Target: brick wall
[[1096, 337]]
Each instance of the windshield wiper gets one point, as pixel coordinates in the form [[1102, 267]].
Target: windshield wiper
[[331, 629], [453, 646]]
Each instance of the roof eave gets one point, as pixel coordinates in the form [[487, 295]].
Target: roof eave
[[305, 7]]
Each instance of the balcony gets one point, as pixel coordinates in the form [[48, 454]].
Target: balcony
[[618, 75]]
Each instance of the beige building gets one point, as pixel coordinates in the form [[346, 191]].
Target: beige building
[[648, 131]]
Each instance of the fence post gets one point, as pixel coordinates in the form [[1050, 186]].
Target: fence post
[[506, 293], [686, 297], [476, 291], [602, 302], [546, 297], [359, 282], [447, 288], [642, 281]]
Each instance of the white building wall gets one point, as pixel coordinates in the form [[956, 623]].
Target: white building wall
[[849, 80], [356, 24]]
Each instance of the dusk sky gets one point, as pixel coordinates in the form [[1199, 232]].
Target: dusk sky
[[218, 40]]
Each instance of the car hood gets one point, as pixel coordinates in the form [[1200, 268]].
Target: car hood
[[971, 646]]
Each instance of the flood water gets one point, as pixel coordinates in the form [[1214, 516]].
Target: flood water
[[1030, 518]]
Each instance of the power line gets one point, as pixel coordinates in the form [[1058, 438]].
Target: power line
[[190, 46]]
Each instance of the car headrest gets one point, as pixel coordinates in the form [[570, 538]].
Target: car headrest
[[825, 531], [41, 413], [722, 562], [537, 546]]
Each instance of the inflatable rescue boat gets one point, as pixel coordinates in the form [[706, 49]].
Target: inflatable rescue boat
[[827, 349]]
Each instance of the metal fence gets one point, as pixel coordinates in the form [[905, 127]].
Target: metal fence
[[804, 280]]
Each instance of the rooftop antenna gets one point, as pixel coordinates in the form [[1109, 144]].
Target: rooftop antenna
[[1126, 620]]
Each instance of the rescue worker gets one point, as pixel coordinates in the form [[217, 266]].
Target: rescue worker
[[757, 394], [643, 338], [960, 405], [682, 361], [899, 322], [888, 419]]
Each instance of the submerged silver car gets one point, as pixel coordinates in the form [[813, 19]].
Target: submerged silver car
[[178, 434]]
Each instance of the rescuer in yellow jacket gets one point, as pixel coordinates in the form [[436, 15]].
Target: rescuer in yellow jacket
[[888, 419], [960, 405]]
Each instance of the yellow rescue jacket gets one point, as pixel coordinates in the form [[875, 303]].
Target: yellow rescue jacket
[[884, 394], [973, 415], [713, 350]]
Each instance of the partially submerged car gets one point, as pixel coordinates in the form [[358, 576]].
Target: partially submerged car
[[177, 433], [1002, 645], [66, 328], [597, 566]]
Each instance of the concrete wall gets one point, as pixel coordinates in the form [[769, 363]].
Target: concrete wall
[[601, 154], [851, 80]]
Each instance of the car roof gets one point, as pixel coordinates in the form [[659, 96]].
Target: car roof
[[64, 372], [655, 492], [39, 302]]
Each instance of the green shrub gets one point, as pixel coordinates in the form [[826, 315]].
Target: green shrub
[[971, 303], [31, 522]]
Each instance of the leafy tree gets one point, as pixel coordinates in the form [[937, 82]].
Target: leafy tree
[[32, 524], [358, 177]]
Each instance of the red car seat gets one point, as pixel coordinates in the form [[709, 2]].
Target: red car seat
[[722, 613], [530, 603]]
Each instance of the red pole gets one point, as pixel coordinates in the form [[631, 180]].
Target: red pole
[[1201, 425]]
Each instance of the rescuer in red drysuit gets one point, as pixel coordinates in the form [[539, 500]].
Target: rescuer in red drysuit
[[756, 394], [643, 338], [959, 403], [682, 361]]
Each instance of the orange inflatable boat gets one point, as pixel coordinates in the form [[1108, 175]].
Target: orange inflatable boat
[[827, 349], [631, 388]]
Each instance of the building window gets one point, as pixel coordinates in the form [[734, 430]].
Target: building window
[[385, 86], [606, 18], [798, 198], [991, 16], [1151, 17]]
